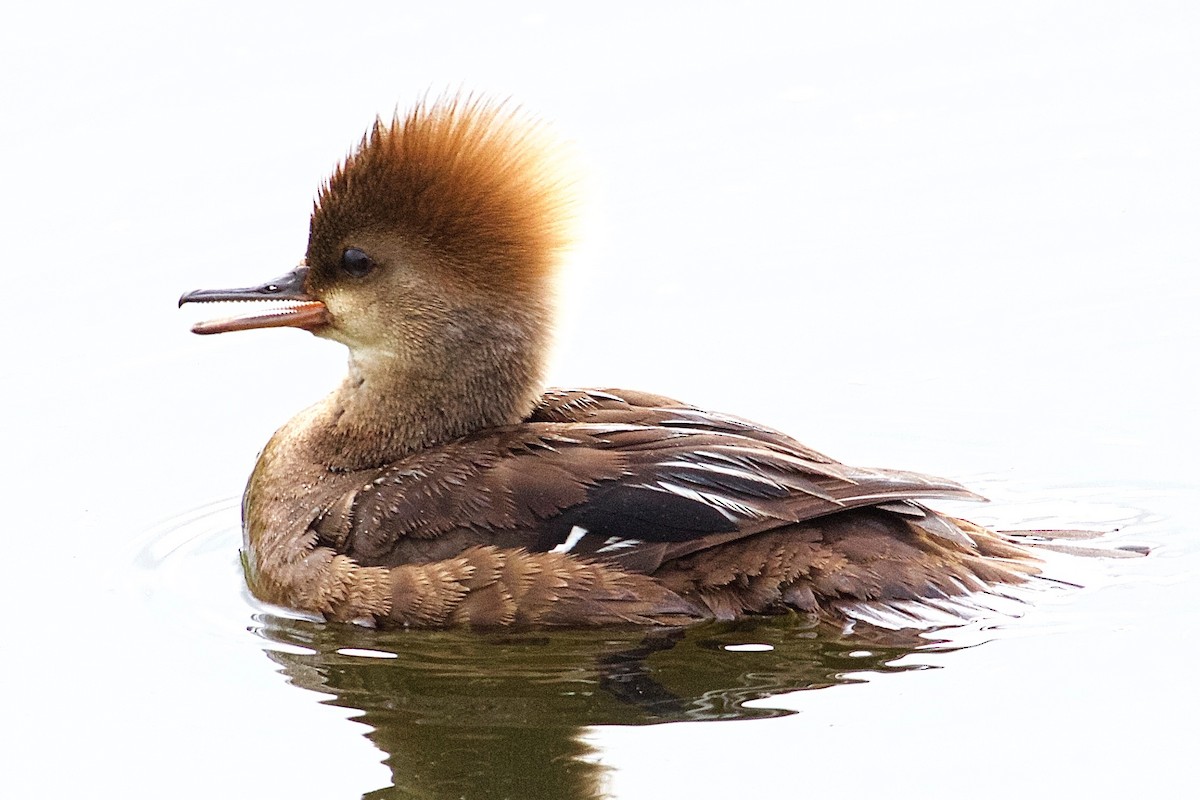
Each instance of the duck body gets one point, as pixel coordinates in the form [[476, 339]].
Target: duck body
[[603, 507], [441, 485]]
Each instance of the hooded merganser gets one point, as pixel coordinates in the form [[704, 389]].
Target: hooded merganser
[[441, 484]]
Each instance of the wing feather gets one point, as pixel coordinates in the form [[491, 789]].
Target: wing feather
[[646, 479]]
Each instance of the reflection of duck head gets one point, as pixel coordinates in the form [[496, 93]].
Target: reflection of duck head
[[439, 484], [501, 715]]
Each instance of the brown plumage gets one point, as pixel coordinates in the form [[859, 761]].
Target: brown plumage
[[477, 183], [441, 485]]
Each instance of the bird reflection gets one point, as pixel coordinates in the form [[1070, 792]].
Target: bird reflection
[[462, 714]]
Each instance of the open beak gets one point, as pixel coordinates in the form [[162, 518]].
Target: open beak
[[304, 310]]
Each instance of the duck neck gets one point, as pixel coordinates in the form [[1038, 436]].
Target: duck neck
[[386, 409]]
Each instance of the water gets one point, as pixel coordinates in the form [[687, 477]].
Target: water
[[962, 243], [537, 713]]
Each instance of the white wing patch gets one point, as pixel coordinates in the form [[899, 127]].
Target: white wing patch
[[579, 534], [573, 538], [614, 543]]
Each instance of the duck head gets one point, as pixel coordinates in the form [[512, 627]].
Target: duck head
[[431, 255]]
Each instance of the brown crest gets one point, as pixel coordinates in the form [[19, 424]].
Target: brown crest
[[477, 182]]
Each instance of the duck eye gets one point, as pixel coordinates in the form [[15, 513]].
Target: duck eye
[[356, 263]]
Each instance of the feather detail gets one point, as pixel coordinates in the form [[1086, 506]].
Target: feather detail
[[598, 509]]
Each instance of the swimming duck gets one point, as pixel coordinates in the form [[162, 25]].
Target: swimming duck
[[441, 484]]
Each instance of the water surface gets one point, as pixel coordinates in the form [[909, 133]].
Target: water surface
[[530, 713]]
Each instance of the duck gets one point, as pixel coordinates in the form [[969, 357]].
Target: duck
[[443, 484]]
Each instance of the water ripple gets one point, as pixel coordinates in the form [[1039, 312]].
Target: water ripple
[[431, 697]]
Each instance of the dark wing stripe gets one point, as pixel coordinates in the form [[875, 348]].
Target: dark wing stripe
[[730, 508], [631, 511]]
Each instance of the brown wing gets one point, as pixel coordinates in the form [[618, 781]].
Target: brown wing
[[619, 476], [642, 408]]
